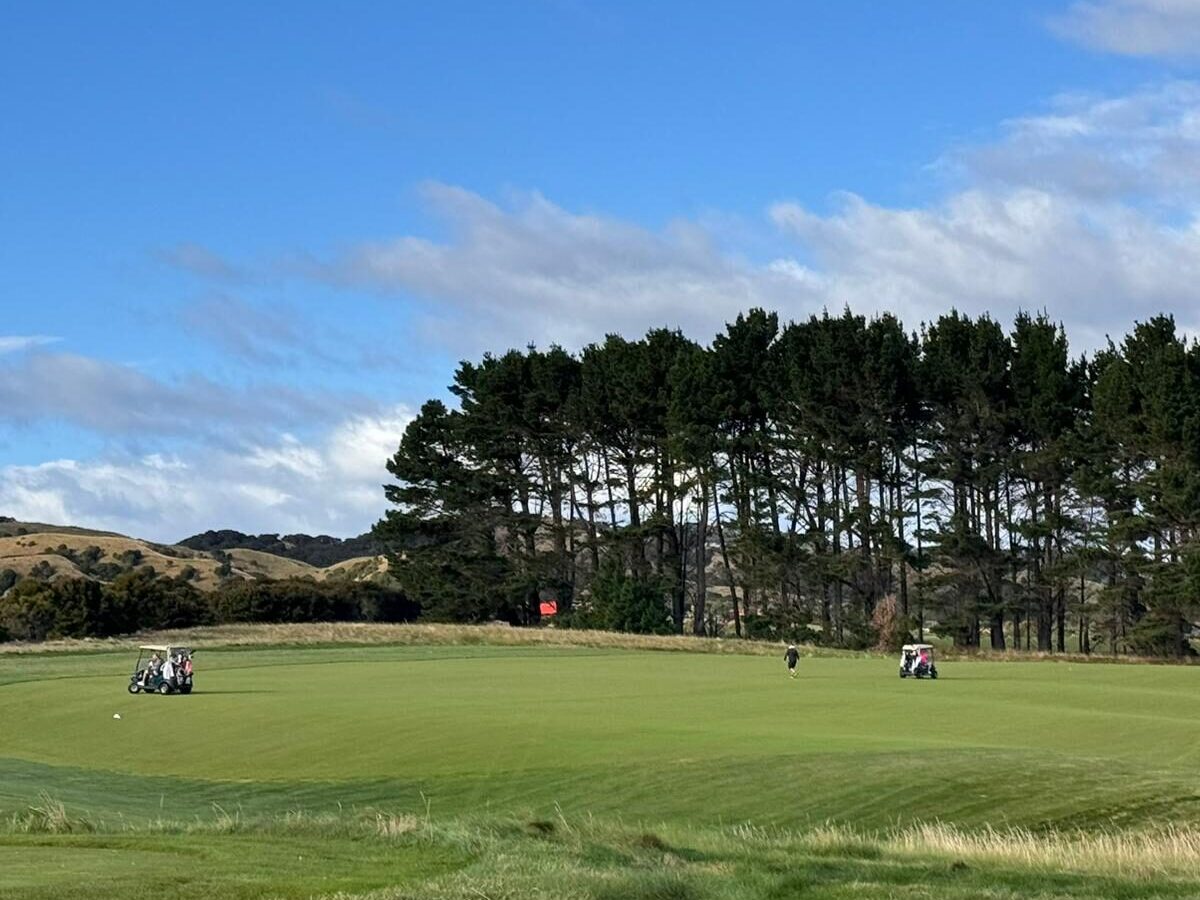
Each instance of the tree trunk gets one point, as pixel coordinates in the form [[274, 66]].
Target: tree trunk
[[637, 550], [826, 604], [998, 631], [701, 563], [593, 537], [920, 551], [1044, 619], [737, 615], [608, 486]]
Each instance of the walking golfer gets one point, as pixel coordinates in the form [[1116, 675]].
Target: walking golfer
[[792, 656]]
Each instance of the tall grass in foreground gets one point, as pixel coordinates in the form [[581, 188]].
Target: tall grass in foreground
[[1167, 851], [1159, 851], [48, 816]]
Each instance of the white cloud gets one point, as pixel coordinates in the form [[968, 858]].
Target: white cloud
[[16, 343], [534, 271], [1167, 28], [331, 486], [1141, 147], [290, 455], [360, 447], [111, 398], [1096, 268], [1089, 210]]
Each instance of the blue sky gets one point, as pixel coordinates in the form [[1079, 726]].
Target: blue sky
[[239, 243]]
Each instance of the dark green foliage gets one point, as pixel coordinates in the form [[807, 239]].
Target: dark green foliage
[[225, 563], [302, 600], [463, 565], [789, 477], [143, 600], [88, 559], [320, 551], [78, 607], [623, 601], [27, 612]]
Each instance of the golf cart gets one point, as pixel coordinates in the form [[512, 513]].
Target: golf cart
[[167, 670], [917, 660]]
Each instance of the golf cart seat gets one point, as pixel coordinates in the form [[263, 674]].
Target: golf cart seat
[[916, 660], [167, 670]]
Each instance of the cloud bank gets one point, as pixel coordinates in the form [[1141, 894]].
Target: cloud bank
[[1156, 28], [532, 270], [114, 399], [1089, 208], [331, 485]]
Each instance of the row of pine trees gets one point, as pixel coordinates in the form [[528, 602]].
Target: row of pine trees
[[788, 479]]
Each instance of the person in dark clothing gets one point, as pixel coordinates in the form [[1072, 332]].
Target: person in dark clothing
[[792, 656]]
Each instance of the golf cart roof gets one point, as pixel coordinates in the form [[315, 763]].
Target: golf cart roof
[[165, 648], [917, 647]]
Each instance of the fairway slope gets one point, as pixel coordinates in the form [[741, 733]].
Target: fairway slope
[[683, 741]]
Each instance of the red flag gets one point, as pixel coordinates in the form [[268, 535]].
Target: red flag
[[549, 607]]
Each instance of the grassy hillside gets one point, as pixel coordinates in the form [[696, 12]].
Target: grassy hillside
[[30, 548], [11, 527]]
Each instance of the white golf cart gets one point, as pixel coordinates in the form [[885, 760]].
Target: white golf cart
[[167, 670], [917, 660]]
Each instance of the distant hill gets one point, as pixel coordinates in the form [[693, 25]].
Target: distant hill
[[320, 551], [32, 549]]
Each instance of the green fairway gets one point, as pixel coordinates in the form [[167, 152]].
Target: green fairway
[[649, 735], [670, 739]]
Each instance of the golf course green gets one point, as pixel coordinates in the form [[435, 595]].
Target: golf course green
[[246, 787]]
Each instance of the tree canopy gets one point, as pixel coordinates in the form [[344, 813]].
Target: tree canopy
[[787, 477]]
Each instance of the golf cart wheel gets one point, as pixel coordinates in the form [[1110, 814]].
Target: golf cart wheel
[[134, 688], [933, 674], [185, 689], [903, 674], [164, 689]]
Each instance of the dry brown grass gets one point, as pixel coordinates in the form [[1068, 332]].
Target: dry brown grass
[[257, 563], [366, 634], [22, 552], [24, 564], [1162, 851], [362, 633]]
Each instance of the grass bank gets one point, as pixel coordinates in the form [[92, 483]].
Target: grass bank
[[387, 856], [364, 634]]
